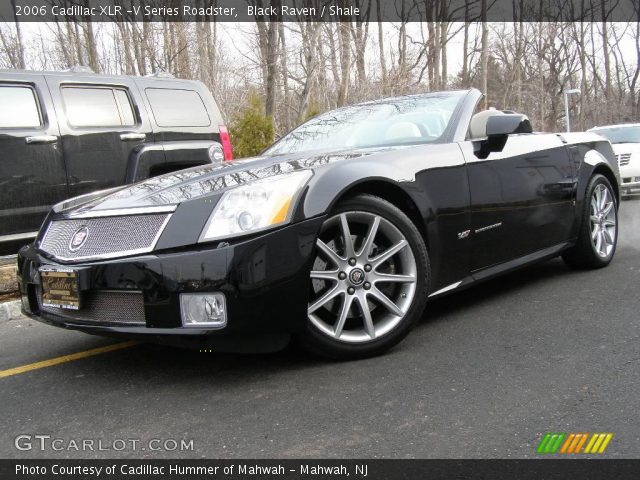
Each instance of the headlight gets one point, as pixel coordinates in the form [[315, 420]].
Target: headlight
[[256, 206]]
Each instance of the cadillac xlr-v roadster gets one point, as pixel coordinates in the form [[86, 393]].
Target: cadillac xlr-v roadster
[[337, 236]]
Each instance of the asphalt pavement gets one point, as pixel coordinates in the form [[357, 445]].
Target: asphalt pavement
[[486, 374]]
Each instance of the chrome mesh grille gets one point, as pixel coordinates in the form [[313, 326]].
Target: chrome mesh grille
[[104, 307], [623, 159], [106, 236]]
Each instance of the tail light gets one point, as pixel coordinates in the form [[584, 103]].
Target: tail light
[[225, 140]]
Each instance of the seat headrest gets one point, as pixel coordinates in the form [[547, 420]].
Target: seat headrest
[[402, 130]]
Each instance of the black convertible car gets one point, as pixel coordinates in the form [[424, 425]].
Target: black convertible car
[[336, 236]]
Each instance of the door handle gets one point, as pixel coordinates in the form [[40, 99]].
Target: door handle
[[126, 137], [41, 139]]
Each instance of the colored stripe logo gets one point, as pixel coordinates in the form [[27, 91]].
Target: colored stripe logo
[[573, 443]]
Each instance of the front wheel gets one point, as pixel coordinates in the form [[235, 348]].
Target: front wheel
[[598, 235], [369, 280]]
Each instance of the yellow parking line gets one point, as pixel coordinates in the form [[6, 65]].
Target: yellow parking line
[[65, 358]]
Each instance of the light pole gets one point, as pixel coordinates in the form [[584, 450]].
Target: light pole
[[566, 105]]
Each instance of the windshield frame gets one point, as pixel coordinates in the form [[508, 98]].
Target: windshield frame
[[447, 135]]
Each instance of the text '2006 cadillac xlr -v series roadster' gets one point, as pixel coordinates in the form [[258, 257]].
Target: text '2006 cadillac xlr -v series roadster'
[[336, 236]]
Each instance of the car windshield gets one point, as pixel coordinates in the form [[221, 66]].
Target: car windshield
[[406, 120], [630, 134]]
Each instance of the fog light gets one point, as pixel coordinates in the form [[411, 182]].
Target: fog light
[[203, 310]]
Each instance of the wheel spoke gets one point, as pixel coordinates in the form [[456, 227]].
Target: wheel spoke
[[346, 234], [384, 300], [328, 252], [599, 242], [606, 235], [594, 219], [594, 232], [607, 209], [371, 235], [599, 198], [389, 278], [366, 315], [387, 254], [609, 223], [344, 312], [330, 275], [327, 297], [605, 198]]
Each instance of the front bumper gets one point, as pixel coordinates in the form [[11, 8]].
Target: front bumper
[[630, 180], [265, 281]]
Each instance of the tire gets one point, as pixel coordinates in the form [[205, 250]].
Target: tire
[[365, 294], [598, 235]]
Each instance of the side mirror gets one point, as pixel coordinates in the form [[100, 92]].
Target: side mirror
[[499, 127]]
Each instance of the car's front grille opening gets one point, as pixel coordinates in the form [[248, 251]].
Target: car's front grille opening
[[103, 237], [623, 159], [108, 307]]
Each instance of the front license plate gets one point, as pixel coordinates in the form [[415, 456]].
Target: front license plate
[[60, 288]]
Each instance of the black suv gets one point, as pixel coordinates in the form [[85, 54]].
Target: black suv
[[64, 134]]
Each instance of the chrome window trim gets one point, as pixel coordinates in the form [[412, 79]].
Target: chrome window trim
[[106, 256]]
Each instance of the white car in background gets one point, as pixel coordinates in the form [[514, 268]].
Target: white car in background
[[625, 139]]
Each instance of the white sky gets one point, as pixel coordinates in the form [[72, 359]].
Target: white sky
[[235, 38]]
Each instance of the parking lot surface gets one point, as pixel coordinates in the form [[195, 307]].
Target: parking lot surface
[[485, 374]]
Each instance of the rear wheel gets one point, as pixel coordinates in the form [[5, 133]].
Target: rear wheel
[[598, 235], [368, 282]]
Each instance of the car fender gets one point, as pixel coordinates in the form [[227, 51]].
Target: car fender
[[329, 185]]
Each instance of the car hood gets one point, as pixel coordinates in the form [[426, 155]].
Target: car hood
[[620, 148], [174, 188]]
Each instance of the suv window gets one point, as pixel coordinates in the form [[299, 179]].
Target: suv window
[[97, 107], [177, 108], [19, 107]]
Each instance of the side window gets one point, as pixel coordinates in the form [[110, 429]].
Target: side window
[[97, 107], [177, 108], [126, 110], [19, 107]]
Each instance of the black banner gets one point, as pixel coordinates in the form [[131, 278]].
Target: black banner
[[320, 469], [318, 10]]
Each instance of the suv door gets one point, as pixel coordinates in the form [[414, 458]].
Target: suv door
[[101, 127], [185, 120], [32, 171], [521, 198]]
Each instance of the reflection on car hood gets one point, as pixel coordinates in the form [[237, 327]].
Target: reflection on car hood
[[177, 187]]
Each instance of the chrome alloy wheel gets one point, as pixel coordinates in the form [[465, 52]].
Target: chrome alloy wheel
[[363, 278], [603, 221]]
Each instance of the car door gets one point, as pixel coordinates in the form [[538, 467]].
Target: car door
[[101, 127], [32, 171], [521, 198]]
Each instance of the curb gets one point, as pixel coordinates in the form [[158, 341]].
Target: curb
[[8, 282], [10, 310]]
